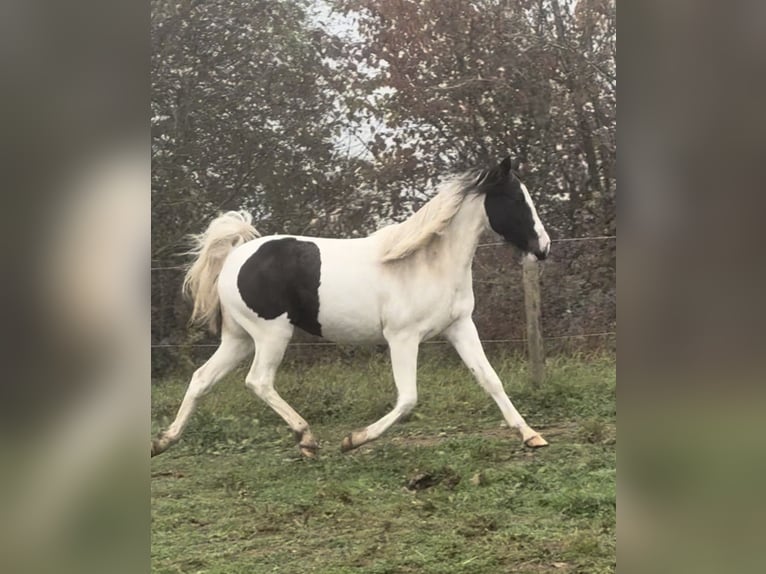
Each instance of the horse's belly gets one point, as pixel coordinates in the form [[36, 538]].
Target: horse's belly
[[350, 321], [352, 332], [427, 311]]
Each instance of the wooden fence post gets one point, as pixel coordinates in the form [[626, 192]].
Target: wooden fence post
[[531, 274]]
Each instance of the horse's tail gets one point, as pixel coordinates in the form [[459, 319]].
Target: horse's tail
[[210, 249]]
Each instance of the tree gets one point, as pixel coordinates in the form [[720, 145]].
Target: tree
[[465, 82], [242, 117]]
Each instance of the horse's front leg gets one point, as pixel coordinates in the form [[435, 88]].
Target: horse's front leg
[[464, 337], [404, 362]]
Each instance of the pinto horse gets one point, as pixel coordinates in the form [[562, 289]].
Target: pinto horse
[[404, 284]]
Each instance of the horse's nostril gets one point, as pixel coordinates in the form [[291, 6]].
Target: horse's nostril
[[541, 255]]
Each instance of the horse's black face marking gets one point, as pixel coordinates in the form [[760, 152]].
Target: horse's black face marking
[[507, 209], [283, 277]]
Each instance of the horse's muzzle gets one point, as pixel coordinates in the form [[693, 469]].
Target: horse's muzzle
[[540, 249], [541, 246]]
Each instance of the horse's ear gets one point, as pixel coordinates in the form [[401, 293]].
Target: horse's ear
[[507, 165]]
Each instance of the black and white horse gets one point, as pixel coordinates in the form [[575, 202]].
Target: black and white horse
[[404, 284]]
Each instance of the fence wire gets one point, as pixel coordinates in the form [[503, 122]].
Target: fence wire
[[435, 342], [494, 243], [438, 342]]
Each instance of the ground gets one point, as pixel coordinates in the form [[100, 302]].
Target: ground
[[450, 490]]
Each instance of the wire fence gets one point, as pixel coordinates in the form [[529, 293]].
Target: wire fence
[[490, 341], [437, 342], [492, 244]]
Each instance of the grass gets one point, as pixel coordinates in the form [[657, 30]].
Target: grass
[[234, 496]]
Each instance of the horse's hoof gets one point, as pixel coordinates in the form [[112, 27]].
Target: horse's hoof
[[347, 444], [536, 442], [307, 443], [309, 451], [156, 448]]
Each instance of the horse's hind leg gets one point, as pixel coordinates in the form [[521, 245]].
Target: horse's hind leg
[[464, 337], [404, 363], [260, 379], [234, 347]]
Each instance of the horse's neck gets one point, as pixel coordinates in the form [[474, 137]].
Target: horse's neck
[[462, 235]]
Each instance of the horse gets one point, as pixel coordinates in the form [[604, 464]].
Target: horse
[[403, 284]]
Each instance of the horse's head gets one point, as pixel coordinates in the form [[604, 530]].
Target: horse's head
[[510, 210]]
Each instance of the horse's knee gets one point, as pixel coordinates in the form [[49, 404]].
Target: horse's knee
[[491, 384], [259, 386], [200, 383], [253, 385]]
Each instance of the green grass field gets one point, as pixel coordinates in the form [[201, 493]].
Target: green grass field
[[234, 496]]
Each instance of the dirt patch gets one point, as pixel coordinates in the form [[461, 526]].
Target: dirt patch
[[168, 474], [500, 432]]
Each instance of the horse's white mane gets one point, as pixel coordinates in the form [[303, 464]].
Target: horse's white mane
[[401, 240]]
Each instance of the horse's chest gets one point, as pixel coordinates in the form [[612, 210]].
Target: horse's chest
[[430, 309], [456, 303]]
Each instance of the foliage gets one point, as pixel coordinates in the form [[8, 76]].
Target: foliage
[[468, 81], [242, 117]]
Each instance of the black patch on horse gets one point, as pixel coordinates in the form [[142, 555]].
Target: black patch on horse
[[507, 209], [283, 276]]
